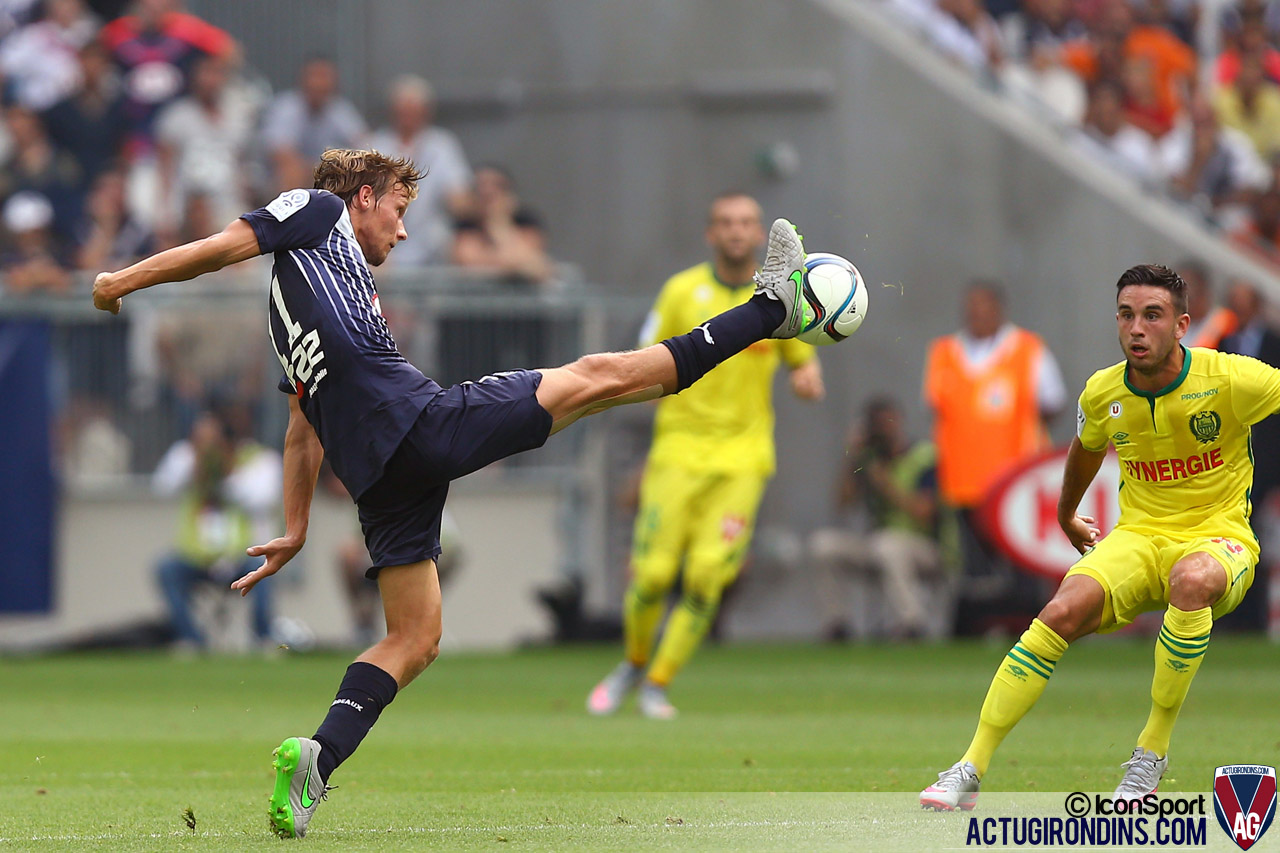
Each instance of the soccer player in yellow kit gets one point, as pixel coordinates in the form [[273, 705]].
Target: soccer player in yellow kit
[[711, 456], [1179, 419]]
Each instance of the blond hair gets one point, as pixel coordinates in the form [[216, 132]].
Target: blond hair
[[343, 171]]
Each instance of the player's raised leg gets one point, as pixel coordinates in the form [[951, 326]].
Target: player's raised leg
[[604, 380], [1075, 610], [1196, 583]]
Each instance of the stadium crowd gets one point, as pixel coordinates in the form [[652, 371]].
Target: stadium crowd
[[125, 137], [131, 127], [1136, 84]]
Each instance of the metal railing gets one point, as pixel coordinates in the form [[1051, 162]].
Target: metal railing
[[125, 388]]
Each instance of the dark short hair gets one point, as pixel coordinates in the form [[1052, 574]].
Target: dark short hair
[[1156, 275]]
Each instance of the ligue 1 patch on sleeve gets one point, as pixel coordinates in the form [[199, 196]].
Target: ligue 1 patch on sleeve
[[288, 203]]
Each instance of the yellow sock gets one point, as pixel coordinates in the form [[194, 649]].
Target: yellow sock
[[641, 613], [687, 626], [1019, 682], [1180, 647]]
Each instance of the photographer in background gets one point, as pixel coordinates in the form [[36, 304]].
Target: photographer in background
[[227, 482], [895, 529]]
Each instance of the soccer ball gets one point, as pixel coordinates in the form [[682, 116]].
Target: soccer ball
[[837, 299]]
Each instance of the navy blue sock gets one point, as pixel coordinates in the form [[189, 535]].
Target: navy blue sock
[[364, 692], [723, 336]]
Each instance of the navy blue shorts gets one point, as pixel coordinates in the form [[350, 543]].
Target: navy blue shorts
[[462, 429]]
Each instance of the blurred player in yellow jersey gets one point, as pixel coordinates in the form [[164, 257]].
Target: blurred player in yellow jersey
[[1179, 419], [712, 454]]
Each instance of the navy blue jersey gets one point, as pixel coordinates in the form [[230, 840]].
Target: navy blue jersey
[[359, 394]]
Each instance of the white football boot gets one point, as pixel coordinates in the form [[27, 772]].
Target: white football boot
[[956, 788]]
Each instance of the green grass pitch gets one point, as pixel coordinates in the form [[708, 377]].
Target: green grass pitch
[[495, 752]]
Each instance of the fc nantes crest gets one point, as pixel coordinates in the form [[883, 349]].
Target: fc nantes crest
[[1205, 426]]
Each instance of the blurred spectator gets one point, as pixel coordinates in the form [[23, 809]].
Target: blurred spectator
[[992, 386], [1215, 168], [1256, 338], [33, 262], [1260, 234], [1036, 37], [1109, 134], [202, 142], [40, 61], [1210, 323], [155, 47], [1252, 105], [108, 238], [1118, 40], [1147, 106], [228, 482], [893, 482], [90, 124], [968, 34], [499, 235], [442, 194], [301, 124], [1250, 38], [35, 165]]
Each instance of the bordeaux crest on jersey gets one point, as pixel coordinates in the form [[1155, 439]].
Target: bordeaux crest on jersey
[[1244, 800], [1205, 426]]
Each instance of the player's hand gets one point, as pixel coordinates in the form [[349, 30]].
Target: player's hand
[[1081, 532], [101, 300], [277, 551], [806, 381]]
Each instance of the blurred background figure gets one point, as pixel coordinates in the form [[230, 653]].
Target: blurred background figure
[[1215, 168], [33, 262], [499, 235], [40, 61], [711, 457], [202, 143], [90, 123], [230, 488], [444, 193], [992, 387], [155, 48], [894, 529], [299, 125], [1210, 323], [1257, 338]]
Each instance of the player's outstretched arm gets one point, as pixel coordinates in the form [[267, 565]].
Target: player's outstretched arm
[[806, 380], [231, 245], [302, 457], [1082, 466]]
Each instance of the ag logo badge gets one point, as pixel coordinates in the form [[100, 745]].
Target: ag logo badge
[[1205, 426], [1244, 799]]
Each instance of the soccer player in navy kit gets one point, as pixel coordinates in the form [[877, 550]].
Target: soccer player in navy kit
[[396, 438]]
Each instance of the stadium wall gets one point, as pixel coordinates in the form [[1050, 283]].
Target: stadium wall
[[620, 120]]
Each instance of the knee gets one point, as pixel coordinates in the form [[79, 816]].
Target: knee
[[702, 590], [1067, 619], [421, 646], [1194, 587], [652, 582]]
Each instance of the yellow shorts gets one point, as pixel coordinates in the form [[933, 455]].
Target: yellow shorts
[[1133, 569], [702, 520]]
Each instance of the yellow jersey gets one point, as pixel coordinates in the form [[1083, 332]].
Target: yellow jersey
[[725, 421], [1186, 460]]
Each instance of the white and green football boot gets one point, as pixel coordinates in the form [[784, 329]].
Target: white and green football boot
[[782, 278], [299, 788]]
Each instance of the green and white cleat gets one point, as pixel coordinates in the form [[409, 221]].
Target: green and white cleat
[[782, 278], [299, 788]]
